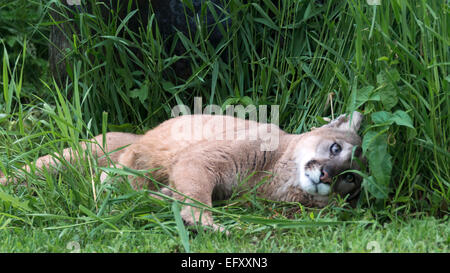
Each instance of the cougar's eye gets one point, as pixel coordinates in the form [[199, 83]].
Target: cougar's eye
[[335, 149], [349, 178]]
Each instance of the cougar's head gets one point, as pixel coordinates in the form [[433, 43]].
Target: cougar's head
[[323, 154]]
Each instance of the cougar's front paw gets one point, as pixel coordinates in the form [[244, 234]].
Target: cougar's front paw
[[193, 216]]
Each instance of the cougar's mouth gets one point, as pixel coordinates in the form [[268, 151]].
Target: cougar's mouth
[[315, 180]]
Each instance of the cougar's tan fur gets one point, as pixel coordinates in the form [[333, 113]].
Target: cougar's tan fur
[[206, 157]]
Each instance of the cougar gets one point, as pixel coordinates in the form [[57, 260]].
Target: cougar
[[201, 158]]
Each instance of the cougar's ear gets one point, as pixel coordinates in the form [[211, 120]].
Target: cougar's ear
[[350, 122]]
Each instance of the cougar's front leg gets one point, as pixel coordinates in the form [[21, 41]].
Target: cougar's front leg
[[131, 158], [193, 181]]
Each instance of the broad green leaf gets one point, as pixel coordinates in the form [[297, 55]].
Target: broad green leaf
[[380, 165], [369, 137], [377, 191], [394, 75], [390, 76], [365, 94], [402, 118], [382, 117], [388, 96], [387, 92]]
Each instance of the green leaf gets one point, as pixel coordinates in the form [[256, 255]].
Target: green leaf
[[7, 94], [393, 75], [321, 121], [381, 78], [383, 58], [215, 75], [124, 171], [382, 117], [94, 216], [365, 94], [266, 20], [369, 137], [141, 93], [11, 40], [388, 96], [168, 86], [380, 163], [126, 127], [386, 77], [376, 190], [387, 92], [402, 118], [230, 101], [287, 223], [189, 5], [15, 202], [184, 236], [246, 101]]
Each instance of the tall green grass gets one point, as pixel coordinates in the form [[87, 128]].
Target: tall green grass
[[312, 59]]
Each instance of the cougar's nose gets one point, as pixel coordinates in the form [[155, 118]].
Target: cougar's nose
[[324, 176]]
